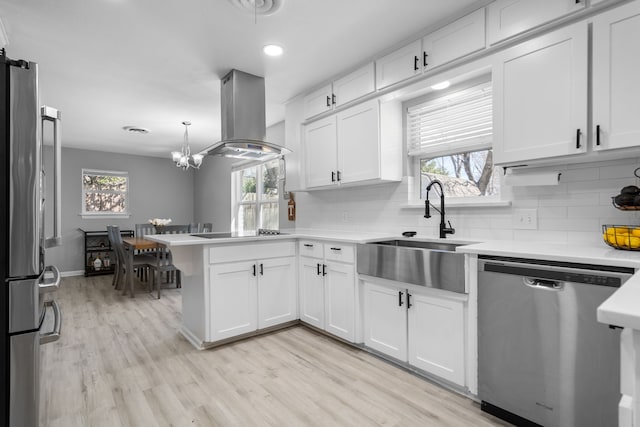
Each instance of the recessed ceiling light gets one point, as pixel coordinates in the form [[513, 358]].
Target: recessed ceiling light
[[135, 129], [272, 50], [442, 85]]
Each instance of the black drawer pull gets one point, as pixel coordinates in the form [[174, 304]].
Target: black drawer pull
[[336, 249], [308, 245]]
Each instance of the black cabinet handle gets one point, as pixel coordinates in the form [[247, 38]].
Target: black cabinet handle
[[336, 249], [399, 298], [577, 138], [598, 135], [424, 59], [254, 269], [409, 300], [339, 177], [324, 269], [262, 269], [318, 269], [415, 63], [333, 176], [328, 101], [333, 98], [308, 245]]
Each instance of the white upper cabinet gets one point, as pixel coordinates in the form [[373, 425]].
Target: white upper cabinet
[[354, 85], [616, 82], [318, 101], [354, 146], [507, 18], [399, 65], [540, 97], [321, 152], [346, 89], [460, 38]]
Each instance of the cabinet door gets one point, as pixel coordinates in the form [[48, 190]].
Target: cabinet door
[[399, 65], [506, 18], [233, 300], [321, 152], [540, 97], [436, 336], [318, 102], [359, 142], [460, 38], [277, 296], [339, 297], [354, 85], [385, 320], [311, 287], [616, 87]]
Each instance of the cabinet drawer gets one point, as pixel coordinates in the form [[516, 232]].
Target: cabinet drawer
[[251, 251], [310, 248], [339, 252]]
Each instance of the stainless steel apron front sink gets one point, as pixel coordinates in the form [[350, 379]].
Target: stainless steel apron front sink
[[430, 264]]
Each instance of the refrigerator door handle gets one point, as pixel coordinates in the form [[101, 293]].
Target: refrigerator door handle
[[50, 284], [53, 115], [57, 326]]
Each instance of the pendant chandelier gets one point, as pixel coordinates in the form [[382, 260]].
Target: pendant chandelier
[[183, 158]]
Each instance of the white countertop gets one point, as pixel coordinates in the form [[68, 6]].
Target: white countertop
[[599, 254], [335, 236]]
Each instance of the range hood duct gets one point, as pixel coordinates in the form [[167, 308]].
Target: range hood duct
[[243, 120]]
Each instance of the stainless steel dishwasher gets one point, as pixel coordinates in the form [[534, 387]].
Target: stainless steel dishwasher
[[543, 359]]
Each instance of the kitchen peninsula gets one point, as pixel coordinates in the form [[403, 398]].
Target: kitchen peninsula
[[237, 286]]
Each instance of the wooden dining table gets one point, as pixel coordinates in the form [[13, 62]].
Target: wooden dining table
[[131, 244]]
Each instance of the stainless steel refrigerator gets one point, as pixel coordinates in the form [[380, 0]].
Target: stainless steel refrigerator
[[26, 294]]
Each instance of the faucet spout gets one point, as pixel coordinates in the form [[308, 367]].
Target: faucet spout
[[444, 230]]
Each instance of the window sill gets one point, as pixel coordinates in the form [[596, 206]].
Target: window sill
[[104, 215], [419, 204]]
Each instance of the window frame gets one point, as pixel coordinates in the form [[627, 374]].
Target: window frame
[[236, 194], [104, 214], [414, 160]]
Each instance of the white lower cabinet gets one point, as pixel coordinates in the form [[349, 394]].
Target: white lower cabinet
[[327, 287], [426, 330], [233, 300], [436, 336], [245, 296]]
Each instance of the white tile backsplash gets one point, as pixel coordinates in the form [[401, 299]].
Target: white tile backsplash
[[572, 211]]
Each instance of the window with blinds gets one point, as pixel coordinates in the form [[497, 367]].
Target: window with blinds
[[458, 121]]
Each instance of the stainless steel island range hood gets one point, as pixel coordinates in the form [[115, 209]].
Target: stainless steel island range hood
[[243, 120]]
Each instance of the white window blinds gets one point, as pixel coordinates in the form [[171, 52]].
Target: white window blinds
[[459, 121]]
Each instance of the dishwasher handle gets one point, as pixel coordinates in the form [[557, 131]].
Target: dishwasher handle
[[549, 285]]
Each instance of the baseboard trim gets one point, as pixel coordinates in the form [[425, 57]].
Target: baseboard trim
[[72, 273]]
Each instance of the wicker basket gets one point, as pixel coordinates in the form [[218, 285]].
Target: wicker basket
[[625, 237]]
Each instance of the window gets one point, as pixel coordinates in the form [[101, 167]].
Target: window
[[105, 193], [449, 137], [255, 193]]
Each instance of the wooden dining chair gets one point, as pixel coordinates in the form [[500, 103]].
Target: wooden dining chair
[[139, 260], [166, 260], [142, 230]]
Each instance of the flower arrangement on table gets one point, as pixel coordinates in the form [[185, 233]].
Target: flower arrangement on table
[[160, 222]]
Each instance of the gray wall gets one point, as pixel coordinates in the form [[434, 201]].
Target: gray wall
[[213, 188], [156, 189]]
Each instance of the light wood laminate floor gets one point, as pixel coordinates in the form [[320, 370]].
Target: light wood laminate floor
[[122, 362]]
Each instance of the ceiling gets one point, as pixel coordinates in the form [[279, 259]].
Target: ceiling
[[107, 64]]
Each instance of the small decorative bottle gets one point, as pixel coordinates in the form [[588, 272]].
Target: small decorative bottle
[[97, 263], [106, 262], [90, 262]]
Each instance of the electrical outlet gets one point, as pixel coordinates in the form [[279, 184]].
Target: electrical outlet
[[525, 219], [345, 216]]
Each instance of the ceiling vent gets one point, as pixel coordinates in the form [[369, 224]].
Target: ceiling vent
[[258, 7]]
